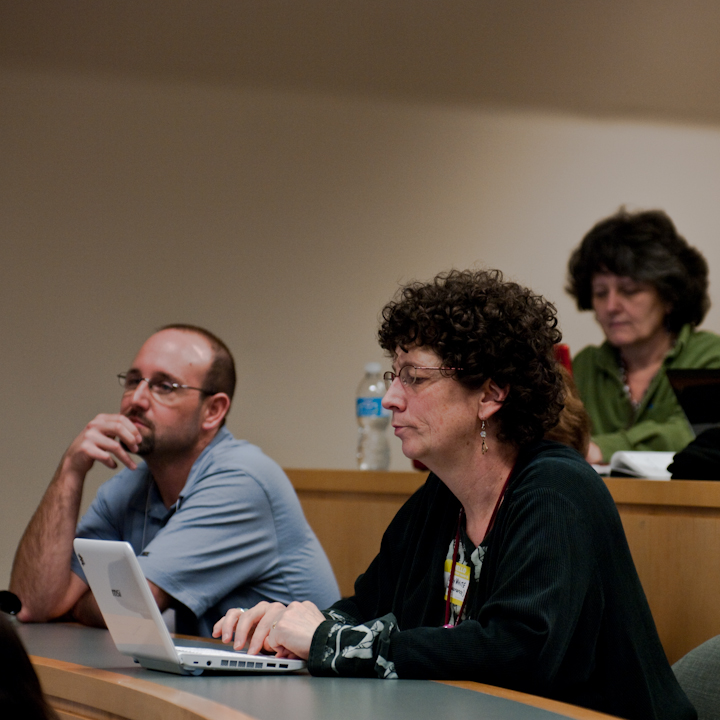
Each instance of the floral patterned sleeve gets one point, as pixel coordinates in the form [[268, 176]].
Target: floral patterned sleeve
[[339, 647]]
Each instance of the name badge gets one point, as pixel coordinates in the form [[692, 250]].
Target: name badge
[[461, 582]]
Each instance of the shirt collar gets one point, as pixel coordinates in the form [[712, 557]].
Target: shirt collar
[[197, 470], [680, 342]]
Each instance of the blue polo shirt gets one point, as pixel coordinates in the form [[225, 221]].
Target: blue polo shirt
[[237, 534]]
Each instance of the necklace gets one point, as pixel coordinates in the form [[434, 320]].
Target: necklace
[[626, 386], [147, 507], [455, 554], [624, 375]]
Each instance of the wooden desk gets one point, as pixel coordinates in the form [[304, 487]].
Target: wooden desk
[[349, 511], [86, 678], [673, 529]]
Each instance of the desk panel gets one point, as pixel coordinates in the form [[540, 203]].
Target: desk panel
[[673, 529], [349, 511]]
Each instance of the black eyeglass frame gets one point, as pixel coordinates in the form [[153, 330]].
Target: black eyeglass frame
[[409, 377]]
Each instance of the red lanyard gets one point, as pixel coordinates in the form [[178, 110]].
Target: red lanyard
[[455, 554]]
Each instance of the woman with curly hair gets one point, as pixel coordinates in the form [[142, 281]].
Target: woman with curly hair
[[509, 565], [648, 289]]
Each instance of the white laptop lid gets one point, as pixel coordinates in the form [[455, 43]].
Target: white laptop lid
[[136, 624]]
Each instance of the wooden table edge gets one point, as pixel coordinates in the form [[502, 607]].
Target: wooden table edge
[[83, 691], [356, 481], [561, 708], [105, 694], [673, 493]]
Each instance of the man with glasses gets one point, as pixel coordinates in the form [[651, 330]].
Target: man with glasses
[[214, 522]]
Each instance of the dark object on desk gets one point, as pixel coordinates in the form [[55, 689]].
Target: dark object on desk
[[21, 697], [9, 602], [698, 392], [700, 460], [698, 673]]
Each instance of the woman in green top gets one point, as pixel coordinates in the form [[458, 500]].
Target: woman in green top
[[648, 289]]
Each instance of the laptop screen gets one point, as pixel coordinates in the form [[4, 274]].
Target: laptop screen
[[698, 392]]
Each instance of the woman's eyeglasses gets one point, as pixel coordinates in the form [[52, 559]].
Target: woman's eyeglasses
[[408, 375]]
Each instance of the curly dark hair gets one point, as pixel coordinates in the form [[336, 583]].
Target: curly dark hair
[[646, 247], [490, 328], [20, 693]]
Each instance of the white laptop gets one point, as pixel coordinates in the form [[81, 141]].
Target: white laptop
[[137, 627]]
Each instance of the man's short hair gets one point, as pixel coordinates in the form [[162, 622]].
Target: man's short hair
[[220, 376]]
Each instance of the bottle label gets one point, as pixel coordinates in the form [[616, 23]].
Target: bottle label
[[370, 407]]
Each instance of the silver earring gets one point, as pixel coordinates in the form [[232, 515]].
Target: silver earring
[[483, 435]]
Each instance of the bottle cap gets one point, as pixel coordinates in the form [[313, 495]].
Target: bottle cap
[[373, 368]]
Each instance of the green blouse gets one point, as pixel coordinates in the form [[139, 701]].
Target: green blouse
[[659, 422]]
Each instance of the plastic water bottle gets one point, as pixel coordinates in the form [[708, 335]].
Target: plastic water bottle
[[373, 451]]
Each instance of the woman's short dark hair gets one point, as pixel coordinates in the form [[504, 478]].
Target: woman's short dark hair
[[20, 693], [490, 328], [646, 247]]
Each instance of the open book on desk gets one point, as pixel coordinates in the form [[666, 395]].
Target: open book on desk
[[641, 464]]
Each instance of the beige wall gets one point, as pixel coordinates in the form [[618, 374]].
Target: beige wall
[[283, 222]]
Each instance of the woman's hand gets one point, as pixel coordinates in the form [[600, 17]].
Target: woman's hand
[[594, 454], [251, 626], [286, 631], [293, 632]]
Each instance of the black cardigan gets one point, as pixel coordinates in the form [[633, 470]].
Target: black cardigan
[[558, 611]]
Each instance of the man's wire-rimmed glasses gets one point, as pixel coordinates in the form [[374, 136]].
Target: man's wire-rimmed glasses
[[162, 389], [408, 375]]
